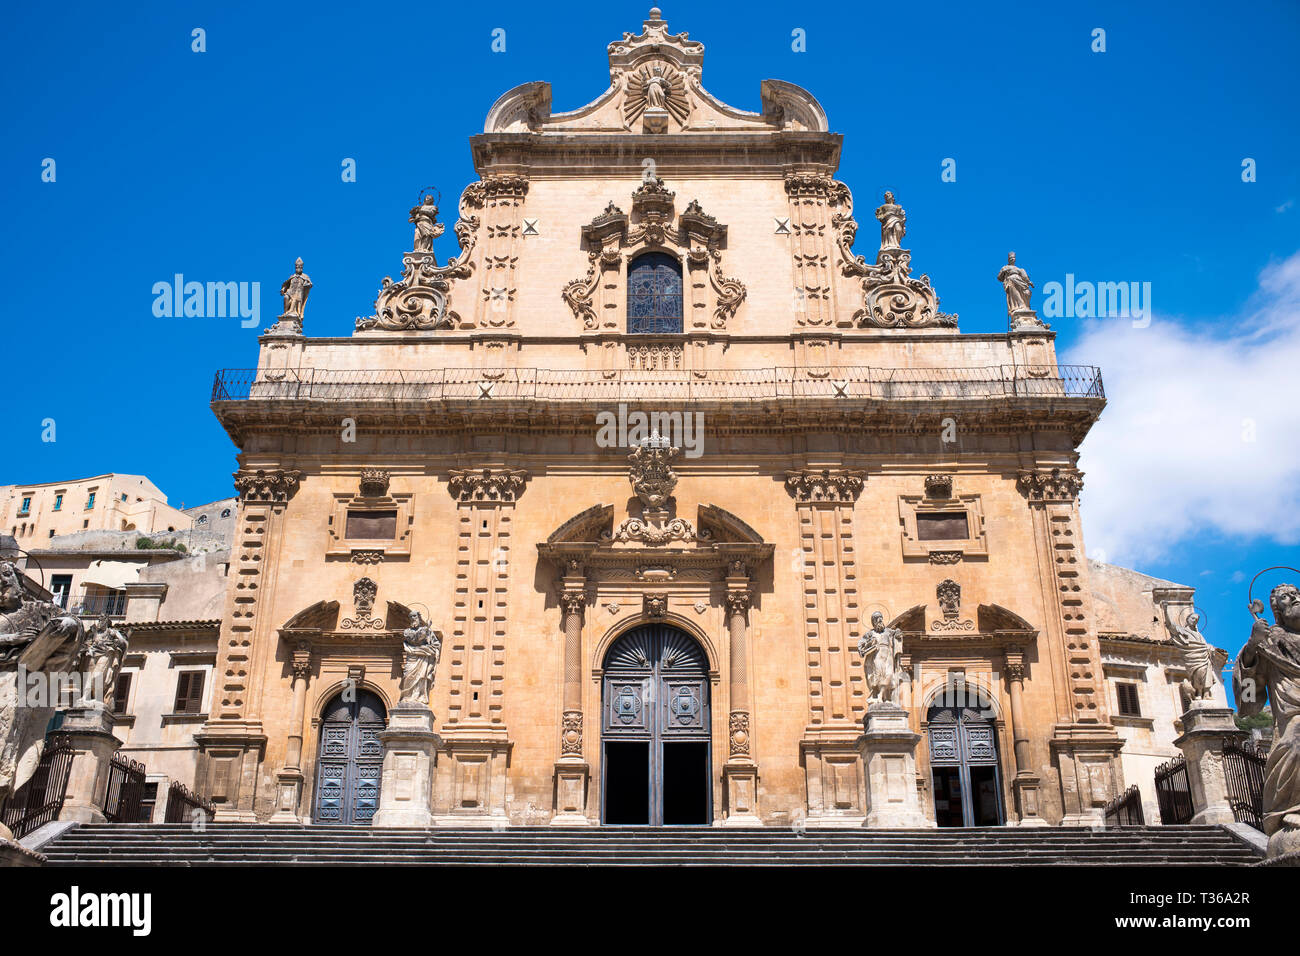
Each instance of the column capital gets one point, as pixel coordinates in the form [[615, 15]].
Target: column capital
[[486, 485], [572, 601], [263, 485], [1050, 484], [840, 486], [738, 600]]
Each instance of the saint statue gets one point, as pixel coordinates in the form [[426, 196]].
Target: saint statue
[[893, 223], [427, 226], [1015, 281], [421, 651], [1198, 657], [656, 91], [1269, 666], [882, 651], [294, 290], [102, 659]]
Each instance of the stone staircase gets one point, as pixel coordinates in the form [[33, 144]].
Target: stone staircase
[[227, 844]]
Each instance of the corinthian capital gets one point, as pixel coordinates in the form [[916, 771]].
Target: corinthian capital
[[837, 487], [738, 600], [572, 602], [486, 484], [262, 485], [1056, 484]]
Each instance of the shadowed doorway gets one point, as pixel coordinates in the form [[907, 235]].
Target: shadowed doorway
[[655, 730], [964, 760]]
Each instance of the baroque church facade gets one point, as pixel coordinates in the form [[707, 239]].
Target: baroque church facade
[[649, 452]]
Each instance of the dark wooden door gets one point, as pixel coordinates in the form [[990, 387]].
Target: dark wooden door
[[655, 730], [350, 760], [964, 766]]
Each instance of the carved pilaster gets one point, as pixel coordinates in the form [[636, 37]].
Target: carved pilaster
[[503, 198], [812, 240]]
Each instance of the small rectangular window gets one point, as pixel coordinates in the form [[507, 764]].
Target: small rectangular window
[[942, 526], [58, 502], [1127, 695], [148, 801], [61, 587], [90, 501], [122, 693], [27, 506], [189, 692], [372, 524]]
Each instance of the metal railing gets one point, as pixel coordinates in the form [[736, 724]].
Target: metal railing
[[1126, 809], [40, 800], [112, 603], [125, 791], [182, 802], [1244, 768], [1174, 792], [663, 385]]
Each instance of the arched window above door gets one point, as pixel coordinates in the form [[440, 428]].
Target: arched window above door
[[654, 294]]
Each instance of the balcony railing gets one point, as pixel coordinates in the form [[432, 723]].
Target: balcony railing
[[660, 385], [96, 603]]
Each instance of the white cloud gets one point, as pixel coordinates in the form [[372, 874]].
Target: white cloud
[[1201, 432]]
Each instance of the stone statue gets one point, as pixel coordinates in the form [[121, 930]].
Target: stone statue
[[1017, 285], [656, 90], [1269, 667], [893, 223], [427, 226], [882, 651], [294, 290], [1198, 657], [102, 659], [421, 651]]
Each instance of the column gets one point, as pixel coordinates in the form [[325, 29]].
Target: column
[[93, 745], [289, 781], [572, 772], [741, 770], [1025, 783]]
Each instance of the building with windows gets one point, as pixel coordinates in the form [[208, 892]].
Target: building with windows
[[33, 514], [650, 449]]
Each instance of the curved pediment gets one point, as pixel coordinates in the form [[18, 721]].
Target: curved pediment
[[321, 616], [726, 527], [655, 87], [911, 620], [994, 617], [585, 526]]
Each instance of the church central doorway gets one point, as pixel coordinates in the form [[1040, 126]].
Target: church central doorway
[[964, 761], [655, 730], [351, 759]]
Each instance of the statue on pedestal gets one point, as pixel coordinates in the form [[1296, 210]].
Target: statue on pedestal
[[102, 659], [882, 651], [294, 291], [1198, 657], [1016, 284], [427, 226], [1268, 668], [893, 223], [421, 651]]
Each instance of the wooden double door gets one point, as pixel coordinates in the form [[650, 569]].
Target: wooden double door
[[655, 730], [350, 760], [964, 765]]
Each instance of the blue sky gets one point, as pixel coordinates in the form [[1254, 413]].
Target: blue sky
[[1116, 166]]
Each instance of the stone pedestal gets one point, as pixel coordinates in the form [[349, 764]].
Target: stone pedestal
[[741, 778], [288, 797], [1206, 725], [888, 748], [1028, 791], [406, 786], [572, 783], [13, 853], [93, 745]]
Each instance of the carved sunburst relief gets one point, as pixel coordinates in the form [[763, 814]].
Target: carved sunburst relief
[[655, 84]]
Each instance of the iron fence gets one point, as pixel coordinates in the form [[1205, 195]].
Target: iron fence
[[1244, 768], [182, 802], [1174, 792], [125, 790], [40, 800], [1126, 809], [662, 385]]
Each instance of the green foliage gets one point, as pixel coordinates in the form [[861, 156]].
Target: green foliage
[[1261, 721]]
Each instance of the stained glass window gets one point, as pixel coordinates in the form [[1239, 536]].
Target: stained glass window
[[654, 294]]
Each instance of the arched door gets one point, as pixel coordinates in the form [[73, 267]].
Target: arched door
[[964, 763], [655, 738], [350, 760]]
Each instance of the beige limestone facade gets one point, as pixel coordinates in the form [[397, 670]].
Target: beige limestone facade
[[660, 620], [33, 514]]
